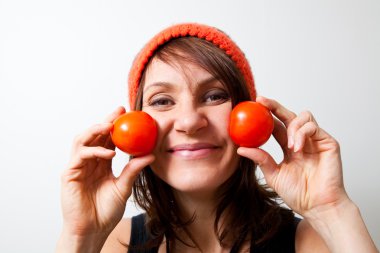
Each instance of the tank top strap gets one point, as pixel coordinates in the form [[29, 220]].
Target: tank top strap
[[139, 236]]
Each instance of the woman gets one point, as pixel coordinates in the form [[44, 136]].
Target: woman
[[198, 189]]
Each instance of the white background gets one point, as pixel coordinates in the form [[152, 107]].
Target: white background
[[64, 67]]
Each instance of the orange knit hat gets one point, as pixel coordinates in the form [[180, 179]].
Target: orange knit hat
[[208, 33]]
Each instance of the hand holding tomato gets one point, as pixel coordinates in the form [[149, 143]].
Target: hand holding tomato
[[251, 124], [310, 175], [135, 133], [93, 198]]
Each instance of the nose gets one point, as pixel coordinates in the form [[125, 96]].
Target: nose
[[190, 120]]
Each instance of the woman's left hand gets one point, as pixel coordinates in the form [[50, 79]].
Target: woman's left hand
[[310, 175]]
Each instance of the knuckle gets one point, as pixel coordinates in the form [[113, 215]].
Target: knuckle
[[336, 144], [77, 139], [70, 175], [292, 122], [80, 154], [65, 176], [306, 114], [312, 125], [266, 99]]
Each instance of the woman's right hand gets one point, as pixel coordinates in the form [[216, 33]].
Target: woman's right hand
[[93, 199]]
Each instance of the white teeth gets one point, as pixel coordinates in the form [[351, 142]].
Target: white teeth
[[184, 152]]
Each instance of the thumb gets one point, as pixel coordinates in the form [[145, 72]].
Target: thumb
[[125, 181], [264, 160]]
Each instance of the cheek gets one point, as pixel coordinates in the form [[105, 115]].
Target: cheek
[[164, 126], [219, 121]]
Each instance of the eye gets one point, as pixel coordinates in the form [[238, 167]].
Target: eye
[[215, 96], [161, 102]]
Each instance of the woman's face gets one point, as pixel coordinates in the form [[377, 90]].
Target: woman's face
[[194, 152]]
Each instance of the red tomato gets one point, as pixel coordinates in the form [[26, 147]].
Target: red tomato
[[135, 133], [251, 124]]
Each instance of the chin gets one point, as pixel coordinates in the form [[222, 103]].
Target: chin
[[195, 179]]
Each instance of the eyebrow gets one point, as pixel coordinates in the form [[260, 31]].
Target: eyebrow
[[171, 85], [157, 84]]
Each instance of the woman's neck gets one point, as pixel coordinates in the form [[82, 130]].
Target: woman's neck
[[202, 207], [202, 204]]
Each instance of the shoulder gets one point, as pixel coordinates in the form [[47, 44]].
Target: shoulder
[[308, 240], [119, 238]]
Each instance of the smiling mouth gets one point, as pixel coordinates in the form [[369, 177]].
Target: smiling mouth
[[193, 151]]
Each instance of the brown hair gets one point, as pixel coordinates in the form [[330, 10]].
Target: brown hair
[[252, 209]]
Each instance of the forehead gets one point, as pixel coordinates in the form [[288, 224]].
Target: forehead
[[175, 72]]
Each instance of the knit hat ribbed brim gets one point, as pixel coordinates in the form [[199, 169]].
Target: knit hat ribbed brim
[[217, 37]]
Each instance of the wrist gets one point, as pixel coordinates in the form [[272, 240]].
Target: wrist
[[332, 219], [332, 212], [91, 243], [341, 226]]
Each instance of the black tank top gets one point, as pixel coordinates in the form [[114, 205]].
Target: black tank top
[[283, 242]]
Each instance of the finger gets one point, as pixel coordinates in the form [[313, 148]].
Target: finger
[[308, 130], [109, 145], [297, 123], [89, 153], [118, 111], [104, 141], [264, 160], [283, 114], [101, 139], [125, 181], [92, 133], [280, 134]]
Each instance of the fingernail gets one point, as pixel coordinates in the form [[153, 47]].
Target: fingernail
[[290, 142], [240, 151], [297, 146]]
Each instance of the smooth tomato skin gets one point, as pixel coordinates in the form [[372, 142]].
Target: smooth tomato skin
[[135, 133], [251, 124]]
